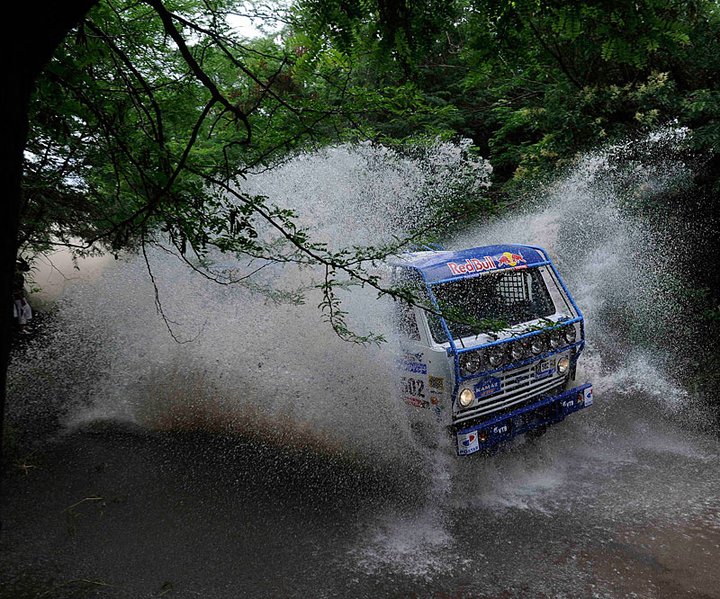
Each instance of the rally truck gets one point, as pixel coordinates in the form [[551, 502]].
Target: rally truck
[[490, 344]]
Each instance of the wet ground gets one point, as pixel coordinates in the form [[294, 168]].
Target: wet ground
[[112, 511]]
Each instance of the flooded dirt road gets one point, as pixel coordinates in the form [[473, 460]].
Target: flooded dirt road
[[266, 458]]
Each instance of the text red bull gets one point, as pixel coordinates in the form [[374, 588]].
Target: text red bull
[[471, 265]]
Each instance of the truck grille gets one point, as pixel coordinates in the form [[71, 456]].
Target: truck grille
[[516, 386]]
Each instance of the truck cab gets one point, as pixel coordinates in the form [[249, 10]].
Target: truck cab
[[490, 345]]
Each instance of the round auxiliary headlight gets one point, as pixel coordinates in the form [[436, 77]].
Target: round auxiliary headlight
[[570, 334], [496, 357], [563, 364], [466, 397], [537, 346], [470, 363], [518, 351], [556, 339]]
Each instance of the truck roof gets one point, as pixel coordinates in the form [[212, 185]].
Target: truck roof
[[447, 265]]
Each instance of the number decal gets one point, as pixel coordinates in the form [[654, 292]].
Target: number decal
[[415, 387]]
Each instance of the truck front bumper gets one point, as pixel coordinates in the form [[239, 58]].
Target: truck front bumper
[[506, 426]]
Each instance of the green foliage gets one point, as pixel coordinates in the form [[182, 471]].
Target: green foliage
[[533, 83], [150, 113], [131, 132]]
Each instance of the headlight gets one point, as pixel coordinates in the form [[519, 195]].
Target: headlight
[[518, 350], [470, 363], [563, 364], [556, 339], [496, 356], [570, 334], [466, 397], [537, 346]]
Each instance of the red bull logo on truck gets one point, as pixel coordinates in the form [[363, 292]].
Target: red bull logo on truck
[[510, 259], [474, 265]]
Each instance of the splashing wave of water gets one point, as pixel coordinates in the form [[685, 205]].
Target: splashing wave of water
[[278, 372]]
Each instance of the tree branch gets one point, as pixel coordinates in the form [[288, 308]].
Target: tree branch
[[167, 20]]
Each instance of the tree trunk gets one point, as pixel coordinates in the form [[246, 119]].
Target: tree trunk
[[42, 25]]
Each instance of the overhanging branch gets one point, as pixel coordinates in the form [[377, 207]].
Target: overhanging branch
[[167, 20]]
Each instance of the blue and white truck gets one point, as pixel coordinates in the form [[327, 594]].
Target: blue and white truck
[[490, 347]]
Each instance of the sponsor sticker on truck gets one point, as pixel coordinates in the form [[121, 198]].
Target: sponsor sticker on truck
[[487, 386], [468, 443]]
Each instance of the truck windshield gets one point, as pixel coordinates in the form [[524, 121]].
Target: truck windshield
[[490, 302]]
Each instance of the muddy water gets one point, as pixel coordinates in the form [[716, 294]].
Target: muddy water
[[109, 511], [279, 467]]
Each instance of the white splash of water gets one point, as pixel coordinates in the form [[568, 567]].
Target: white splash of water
[[279, 371], [616, 269], [415, 541], [368, 194], [254, 367], [280, 368], [618, 264]]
